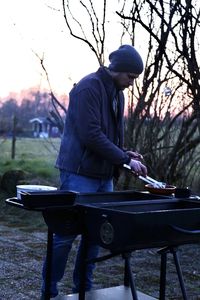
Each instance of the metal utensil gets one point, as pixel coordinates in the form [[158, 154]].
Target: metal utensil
[[153, 182], [147, 179]]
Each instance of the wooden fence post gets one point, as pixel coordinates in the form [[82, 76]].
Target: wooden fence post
[[13, 137]]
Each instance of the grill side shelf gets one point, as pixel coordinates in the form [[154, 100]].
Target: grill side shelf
[[19, 204], [41, 200]]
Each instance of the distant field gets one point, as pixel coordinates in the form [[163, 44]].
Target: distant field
[[35, 156]]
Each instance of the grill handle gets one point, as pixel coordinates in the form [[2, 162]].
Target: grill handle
[[183, 230]]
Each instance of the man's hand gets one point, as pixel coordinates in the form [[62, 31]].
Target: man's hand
[[138, 168], [135, 155]]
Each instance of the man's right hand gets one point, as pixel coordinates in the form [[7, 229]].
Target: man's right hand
[[138, 168]]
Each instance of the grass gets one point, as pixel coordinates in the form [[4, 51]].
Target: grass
[[36, 157]]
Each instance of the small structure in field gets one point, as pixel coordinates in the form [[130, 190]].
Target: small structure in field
[[42, 127]]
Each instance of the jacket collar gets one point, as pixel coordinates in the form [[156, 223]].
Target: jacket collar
[[110, 88], [108, 82]]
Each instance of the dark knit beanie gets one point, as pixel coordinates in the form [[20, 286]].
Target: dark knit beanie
[[126, 59]]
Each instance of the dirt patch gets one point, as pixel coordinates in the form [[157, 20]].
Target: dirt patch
[[23, 245]]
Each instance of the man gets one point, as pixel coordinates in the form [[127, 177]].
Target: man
[[92, 146]]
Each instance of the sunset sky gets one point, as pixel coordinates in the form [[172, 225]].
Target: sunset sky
[[28, 26]]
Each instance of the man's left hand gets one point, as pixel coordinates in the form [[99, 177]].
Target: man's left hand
[[135, 155]]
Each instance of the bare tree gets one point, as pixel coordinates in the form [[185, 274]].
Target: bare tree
[[164, 122], [56, 113], [164, 110], [94, 35]]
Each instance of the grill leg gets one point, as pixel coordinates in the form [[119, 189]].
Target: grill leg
[[128, 275], [163, 268], [83, 270], [163, 275], [179, 272], [126, 272], [48, 265]]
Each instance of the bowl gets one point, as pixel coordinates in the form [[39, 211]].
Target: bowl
[[33, 188], [168, 190]]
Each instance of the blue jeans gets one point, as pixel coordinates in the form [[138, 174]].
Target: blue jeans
[[62, 243]]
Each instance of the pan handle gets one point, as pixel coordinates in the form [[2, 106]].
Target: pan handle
[[183, 230]]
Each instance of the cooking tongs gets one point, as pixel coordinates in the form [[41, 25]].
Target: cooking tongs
[[153, 182], [147, 179]]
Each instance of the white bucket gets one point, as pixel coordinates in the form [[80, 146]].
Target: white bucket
[[33, 188]]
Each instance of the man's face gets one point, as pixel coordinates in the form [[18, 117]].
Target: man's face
[[124, 80]]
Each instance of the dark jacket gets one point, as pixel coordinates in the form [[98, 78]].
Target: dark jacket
[[93, 136]]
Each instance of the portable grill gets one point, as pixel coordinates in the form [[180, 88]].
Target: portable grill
[[121, 222], [143, 224]]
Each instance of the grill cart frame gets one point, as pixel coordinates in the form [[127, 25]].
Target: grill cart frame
[[112, 206]]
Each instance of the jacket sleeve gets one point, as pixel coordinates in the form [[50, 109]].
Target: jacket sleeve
[[89, 128]]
